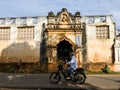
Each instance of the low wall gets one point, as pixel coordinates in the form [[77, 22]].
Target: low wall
[[96, 67], [20, 68]]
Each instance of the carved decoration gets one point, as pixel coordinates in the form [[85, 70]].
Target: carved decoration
[[64, 20], [77, 20]]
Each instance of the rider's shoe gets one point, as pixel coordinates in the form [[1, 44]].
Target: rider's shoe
[[72, 78], [68, 78]]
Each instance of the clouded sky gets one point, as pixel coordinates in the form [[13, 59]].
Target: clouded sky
[[21, 8]]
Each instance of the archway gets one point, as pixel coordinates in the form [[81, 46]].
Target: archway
[[63, 50]]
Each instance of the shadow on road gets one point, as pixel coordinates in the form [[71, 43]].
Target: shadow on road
[[59, 86]]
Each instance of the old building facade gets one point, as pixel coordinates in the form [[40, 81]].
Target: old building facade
[[47, 40]]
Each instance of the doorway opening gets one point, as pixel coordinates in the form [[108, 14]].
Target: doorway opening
[[63, 50]]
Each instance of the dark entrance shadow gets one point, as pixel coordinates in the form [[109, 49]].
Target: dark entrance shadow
[[63, 50]]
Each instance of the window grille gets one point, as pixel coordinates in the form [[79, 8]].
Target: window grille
[[102, 32], [4, 33], [26, 33]]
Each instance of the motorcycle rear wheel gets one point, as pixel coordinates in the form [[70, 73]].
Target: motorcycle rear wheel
[[80, 78], [55, 77]]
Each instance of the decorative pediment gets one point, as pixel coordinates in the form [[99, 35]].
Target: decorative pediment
[[64, 19]]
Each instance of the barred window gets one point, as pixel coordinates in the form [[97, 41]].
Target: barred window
[[26, 33], [4, 33], [102, 32]]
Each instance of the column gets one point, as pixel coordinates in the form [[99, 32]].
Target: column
[[78, 56], [117, 55], [117, 59]]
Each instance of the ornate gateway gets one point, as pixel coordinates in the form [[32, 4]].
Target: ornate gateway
[[63, 36]]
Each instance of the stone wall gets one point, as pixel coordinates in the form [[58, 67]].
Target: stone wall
[[20, 68], [96, 67]]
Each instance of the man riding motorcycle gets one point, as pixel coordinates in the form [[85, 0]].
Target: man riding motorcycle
[[71, 65]]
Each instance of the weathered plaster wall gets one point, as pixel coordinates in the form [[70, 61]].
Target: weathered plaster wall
[[99, 50], [14, 50]]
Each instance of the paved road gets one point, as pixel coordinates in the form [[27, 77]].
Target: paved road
[[41, 82], [109, 82]]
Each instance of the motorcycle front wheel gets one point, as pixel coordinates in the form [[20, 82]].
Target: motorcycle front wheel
[[55, 77]]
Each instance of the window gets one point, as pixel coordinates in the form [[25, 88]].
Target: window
[[26, 33], [4, 33], [102, 32]]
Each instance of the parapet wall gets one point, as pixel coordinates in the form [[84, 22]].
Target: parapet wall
[[97, 19]]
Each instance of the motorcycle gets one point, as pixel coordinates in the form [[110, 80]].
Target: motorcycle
[[78, 75]]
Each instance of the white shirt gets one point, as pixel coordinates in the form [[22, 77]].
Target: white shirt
[[73, 62]]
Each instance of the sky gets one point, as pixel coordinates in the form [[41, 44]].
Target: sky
[[22, 8]]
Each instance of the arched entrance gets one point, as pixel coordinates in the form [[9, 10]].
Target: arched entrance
[[63, 50], [63, 34]]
